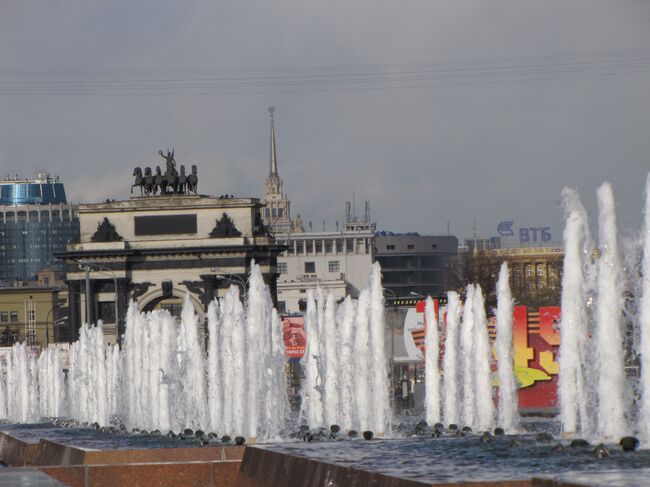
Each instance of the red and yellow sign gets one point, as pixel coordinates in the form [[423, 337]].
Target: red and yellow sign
[[536, 340]]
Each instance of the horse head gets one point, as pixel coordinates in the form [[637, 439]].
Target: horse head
[[194, 170]]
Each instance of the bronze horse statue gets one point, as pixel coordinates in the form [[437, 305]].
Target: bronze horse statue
[[193, 180], [171, 181], [182, 181], [139, 180], [149, 181], [159, 182]]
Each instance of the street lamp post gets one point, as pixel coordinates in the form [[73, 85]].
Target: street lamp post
[[234, 278]]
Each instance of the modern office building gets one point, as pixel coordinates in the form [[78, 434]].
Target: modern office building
[[35, 221], [416, 265]]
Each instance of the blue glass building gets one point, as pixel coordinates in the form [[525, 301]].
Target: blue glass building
[[35, 221]]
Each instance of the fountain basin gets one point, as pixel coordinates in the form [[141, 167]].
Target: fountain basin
[[84, 456], [435, 461]]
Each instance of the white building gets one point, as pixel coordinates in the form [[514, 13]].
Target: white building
[[338, 262]]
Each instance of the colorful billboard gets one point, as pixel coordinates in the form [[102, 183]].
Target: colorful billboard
[[295, 338], [536, 340]]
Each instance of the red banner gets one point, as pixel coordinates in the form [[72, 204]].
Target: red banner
[[295, 338]]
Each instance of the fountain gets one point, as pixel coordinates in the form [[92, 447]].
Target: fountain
[[644, 322], [592, 376], [167, 377], [431, 360], [467, 358], [333, 392], [482, 359], [507, 414], [162, 379], [450, 366]]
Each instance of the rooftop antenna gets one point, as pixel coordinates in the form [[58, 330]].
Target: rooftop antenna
[[348, 212], [366, 213], [475, 230], [354, 208]]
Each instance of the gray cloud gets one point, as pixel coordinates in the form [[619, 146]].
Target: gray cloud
[[456, 149]]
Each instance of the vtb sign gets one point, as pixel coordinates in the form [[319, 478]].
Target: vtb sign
[[534, 234], [526, 234]]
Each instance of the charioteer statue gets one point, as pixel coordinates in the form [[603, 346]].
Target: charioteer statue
[[172, 182]]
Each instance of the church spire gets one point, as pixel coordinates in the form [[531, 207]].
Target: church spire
[[274, 163]]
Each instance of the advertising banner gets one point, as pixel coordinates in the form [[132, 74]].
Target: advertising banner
[[536, 342], [536, 339], [295, 338]]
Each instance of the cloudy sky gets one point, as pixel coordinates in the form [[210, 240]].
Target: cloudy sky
[[436, 111]]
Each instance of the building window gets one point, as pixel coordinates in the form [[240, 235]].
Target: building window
[[282, 267], [14, 316], [529, 271], [31, 315], [540, 271], [268, 213], [300, 247], [410, 246], [274, 212], [349, 245], [319, 246], [282, 307], [334, 266], [279, 212], [4, 316], [310, 246], [339, 245], [328, 246], [310, 267], [390, 247]]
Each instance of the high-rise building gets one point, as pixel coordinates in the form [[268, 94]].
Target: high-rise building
[[35, 221], [277, 214]]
